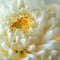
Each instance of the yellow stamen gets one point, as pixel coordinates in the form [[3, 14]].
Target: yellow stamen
[[22, 23]]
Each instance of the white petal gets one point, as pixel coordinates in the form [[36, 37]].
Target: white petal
[[53, 52], [49, 45], [24, 42], [22, 35], [4, 46], [1, 29], [11, 53], [31, 40], [31, 48], [17, 39], [50, 57], [31, 31], [31, 57], [20, 3], [55, 29], [53, 55], [49, 35], [39, 30], [27, 58], [16, 32], [40, 20], [9, 36], [39, 53], [34, 15]]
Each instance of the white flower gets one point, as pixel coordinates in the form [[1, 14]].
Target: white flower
[[29, 30]]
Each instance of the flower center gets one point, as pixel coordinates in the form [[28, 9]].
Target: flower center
[[22, 23]]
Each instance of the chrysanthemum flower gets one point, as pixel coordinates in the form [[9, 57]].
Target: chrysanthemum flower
[[29, 30]]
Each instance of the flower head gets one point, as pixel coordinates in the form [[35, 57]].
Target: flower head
[[28, 31]]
